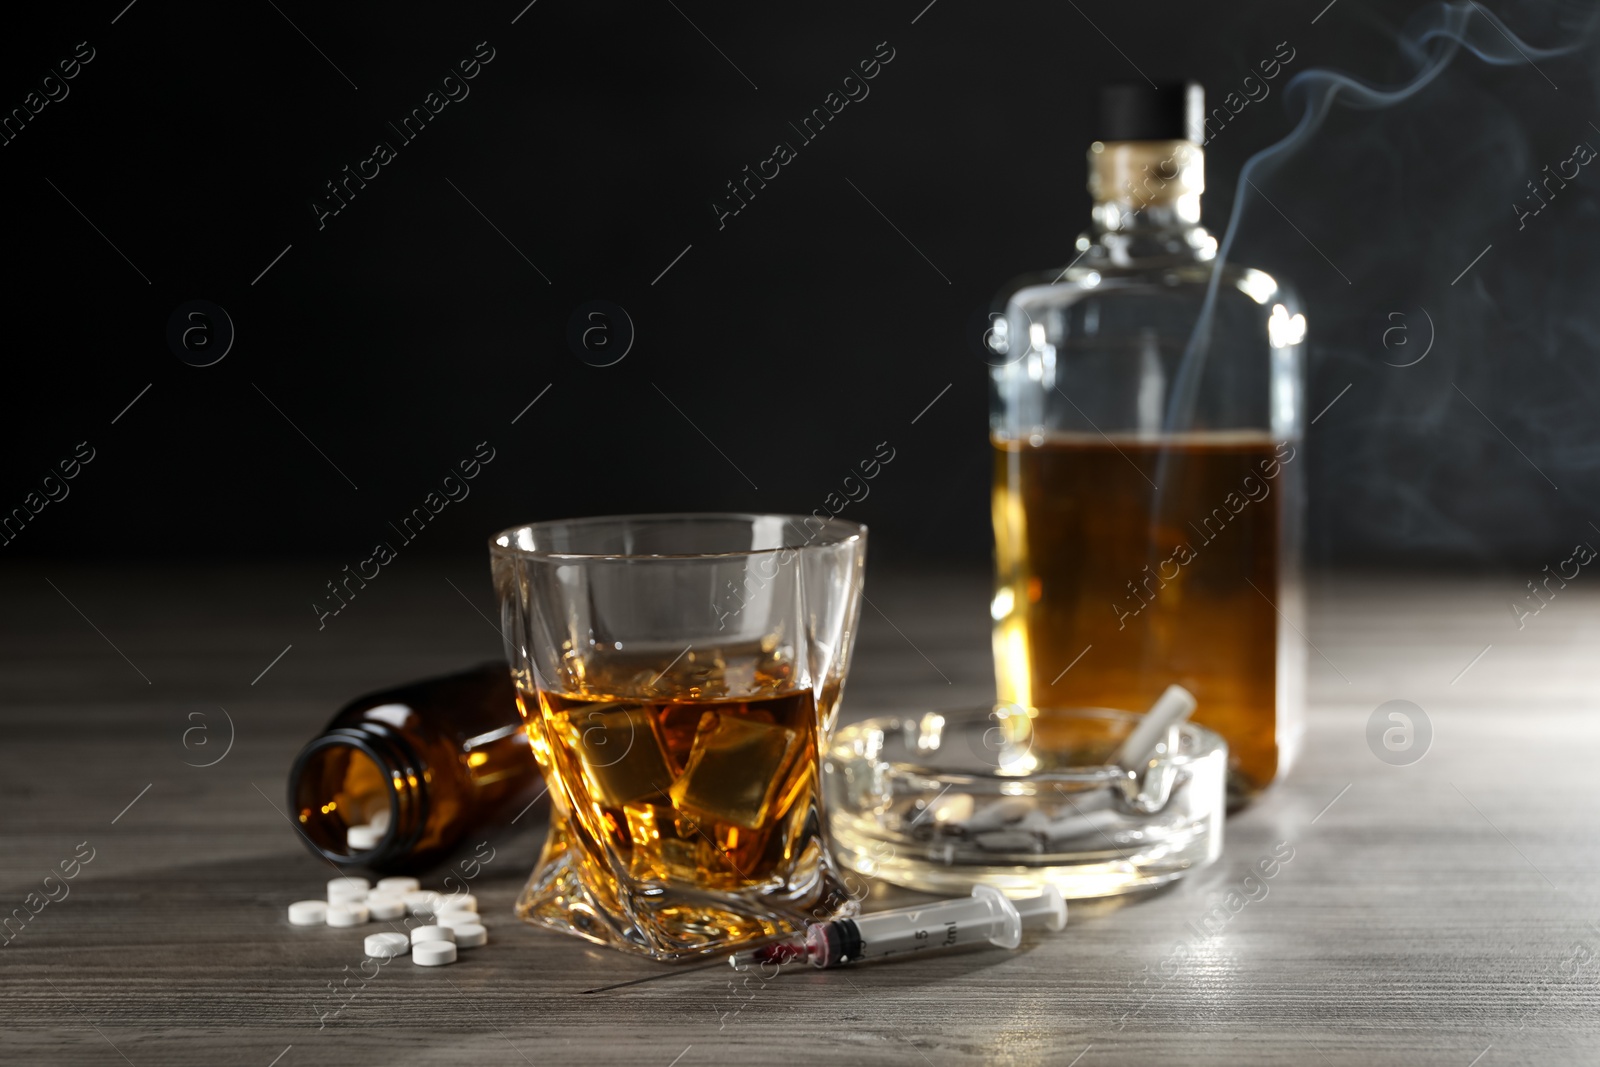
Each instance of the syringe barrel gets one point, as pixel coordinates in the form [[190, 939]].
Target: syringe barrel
[[985, 916]]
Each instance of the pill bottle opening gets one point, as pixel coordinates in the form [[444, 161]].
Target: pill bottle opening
[[343, 800]]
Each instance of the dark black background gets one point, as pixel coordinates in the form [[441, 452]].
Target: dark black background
[[796, 338]]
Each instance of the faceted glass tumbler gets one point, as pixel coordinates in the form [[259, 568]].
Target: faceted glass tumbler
[[679, 675]]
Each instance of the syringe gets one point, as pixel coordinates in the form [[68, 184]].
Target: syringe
[[986, 915]]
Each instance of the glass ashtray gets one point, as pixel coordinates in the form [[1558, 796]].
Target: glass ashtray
[[1015, 797]]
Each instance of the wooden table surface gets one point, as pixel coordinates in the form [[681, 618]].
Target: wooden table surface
[[1437, 913]]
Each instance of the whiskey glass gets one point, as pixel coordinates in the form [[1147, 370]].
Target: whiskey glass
[[679, 676]]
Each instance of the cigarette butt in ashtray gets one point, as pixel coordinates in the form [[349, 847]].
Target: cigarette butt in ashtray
[[1171, 708]]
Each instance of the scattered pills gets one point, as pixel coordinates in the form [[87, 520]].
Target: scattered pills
[[363, 838], [433, 953], [470, 935], [386, 946], [451, 920], [308, 913], [422, 901], [432, 933], [386, 906], [347, 890], [401, 886], [351, 914]]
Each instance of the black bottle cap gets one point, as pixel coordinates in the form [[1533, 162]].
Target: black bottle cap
[[1138, 111]]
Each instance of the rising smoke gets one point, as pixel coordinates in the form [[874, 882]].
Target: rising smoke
[[1422, 181]]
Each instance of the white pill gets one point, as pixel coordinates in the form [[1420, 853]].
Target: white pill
[[380, 820], [433, 953], [348, 883], [398, 885], [470, 935], [352, 914], [308, 913], [347, 894], [432, 933], [456, 918], [385, 946], [422, 901], [386, 906], [363, 838], [458, 902]]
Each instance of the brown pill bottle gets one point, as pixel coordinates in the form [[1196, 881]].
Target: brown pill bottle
[[399, 777]]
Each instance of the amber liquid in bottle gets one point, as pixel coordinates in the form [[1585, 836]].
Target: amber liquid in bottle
[[1108, 591]]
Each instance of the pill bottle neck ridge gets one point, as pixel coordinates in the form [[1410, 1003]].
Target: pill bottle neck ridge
[[377, 756]]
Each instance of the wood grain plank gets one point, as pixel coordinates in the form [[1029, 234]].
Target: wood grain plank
[[1432, 912]]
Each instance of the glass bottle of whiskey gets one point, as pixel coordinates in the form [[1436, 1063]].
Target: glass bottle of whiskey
[[1146, 408]]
